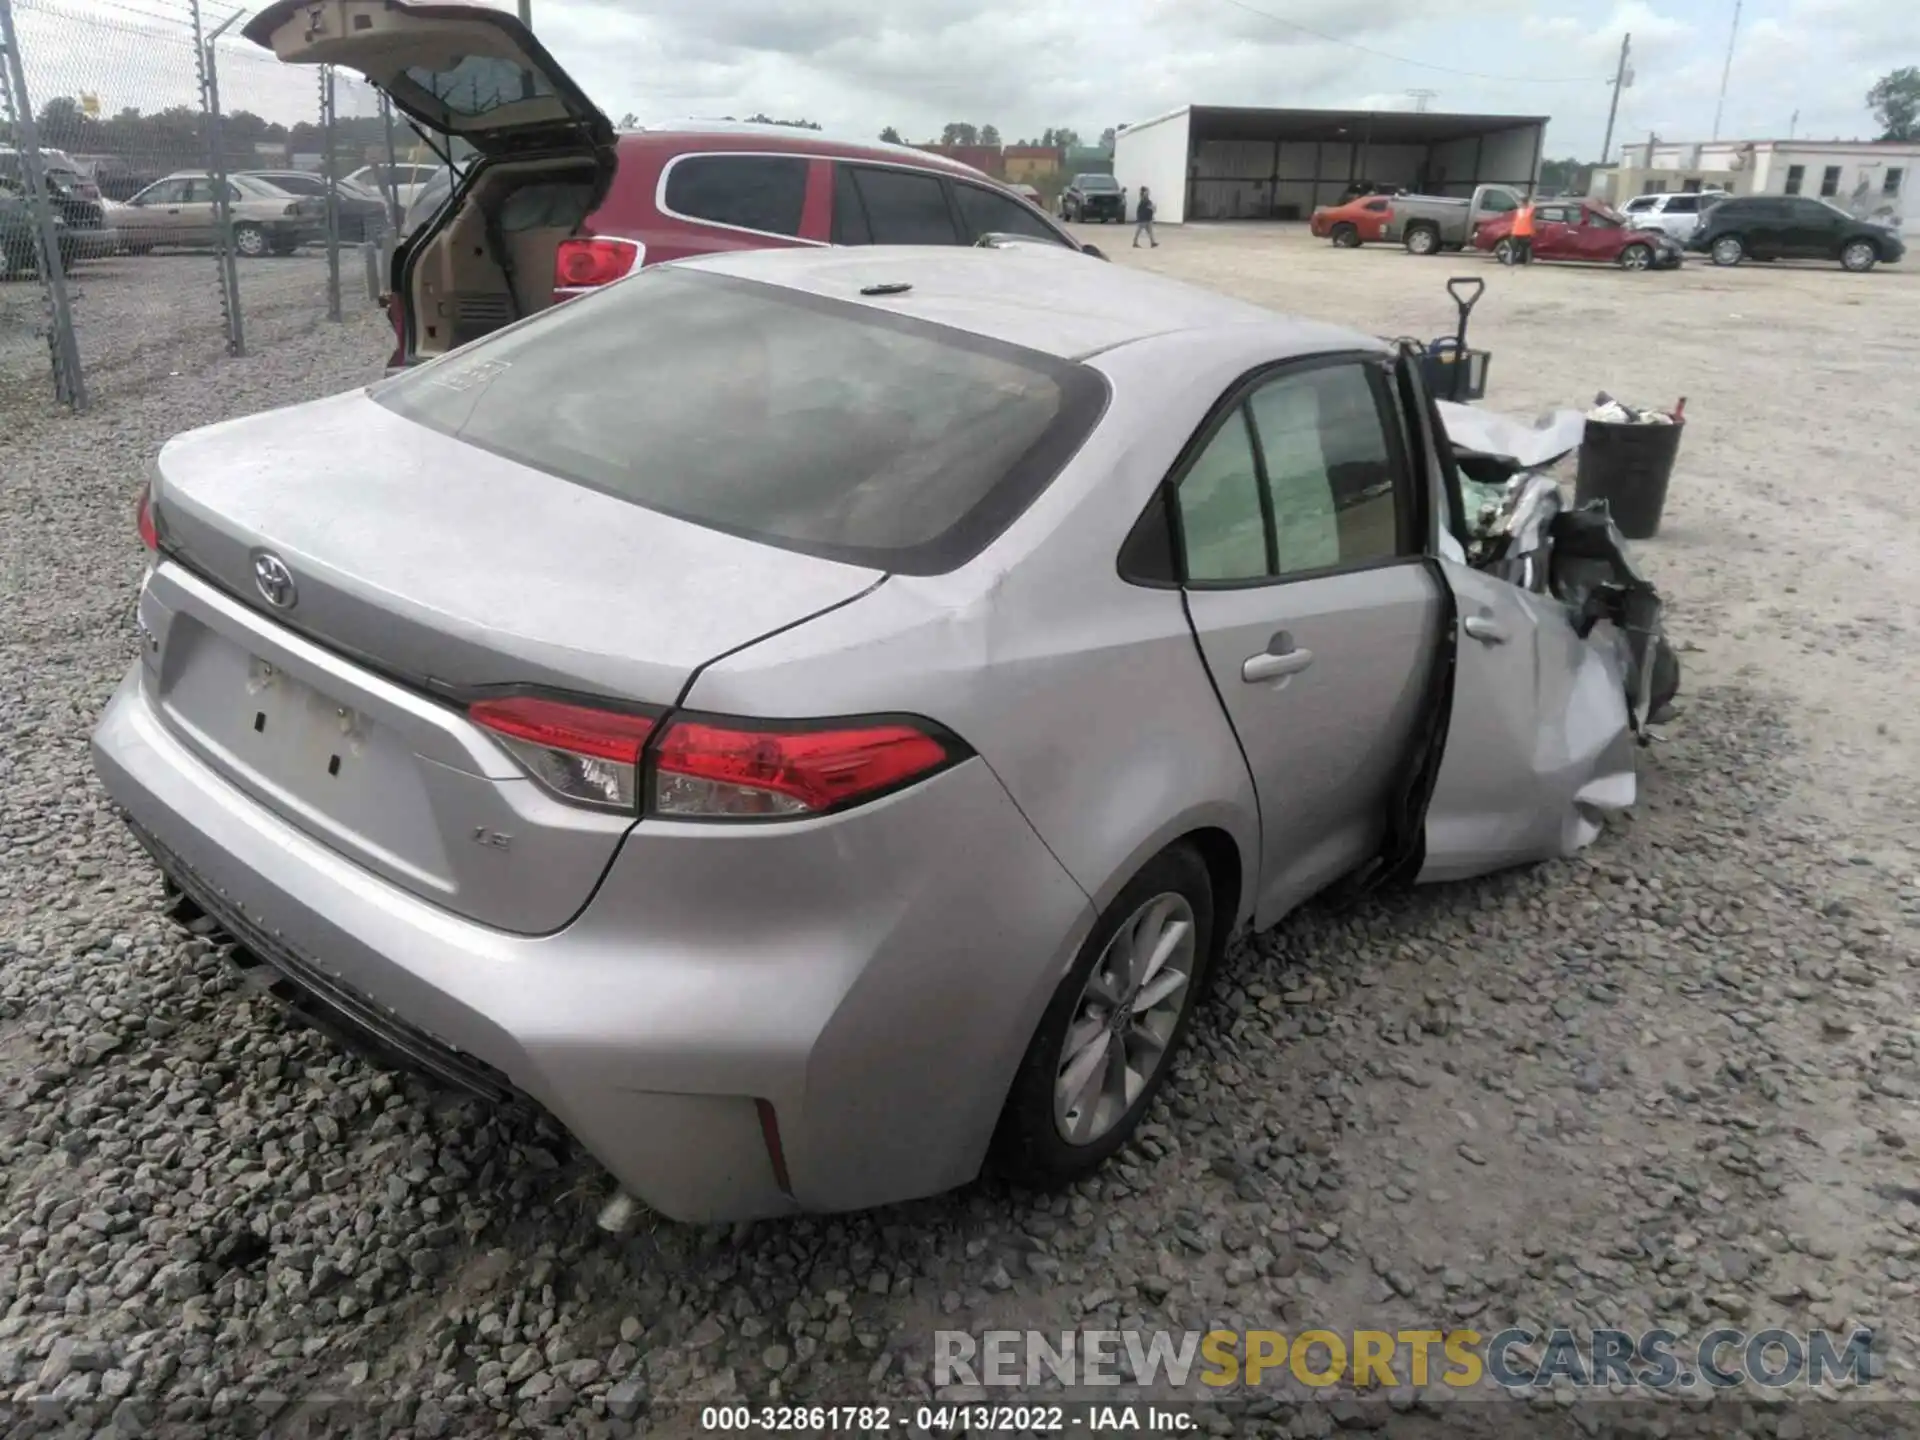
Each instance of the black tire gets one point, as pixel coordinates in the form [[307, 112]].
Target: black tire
[[1636, 257], [1346, 235], [250, 240], [1423, 240], [1859, 256], [1728, 250], [1028, 1147], [1503, 250]]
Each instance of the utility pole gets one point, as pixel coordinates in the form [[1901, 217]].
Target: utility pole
[[526, 13], [1420, 99], [1793, 125], [1726, 71], [1622, 77]]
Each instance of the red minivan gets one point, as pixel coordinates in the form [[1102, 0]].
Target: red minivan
[[557, 202]]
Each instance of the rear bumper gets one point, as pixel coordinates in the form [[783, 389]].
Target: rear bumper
[[873, 977]]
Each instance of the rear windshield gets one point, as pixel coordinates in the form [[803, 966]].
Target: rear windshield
[[813, 424]]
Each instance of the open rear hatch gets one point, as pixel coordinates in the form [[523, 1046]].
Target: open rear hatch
[[342, 583], [463, 70]]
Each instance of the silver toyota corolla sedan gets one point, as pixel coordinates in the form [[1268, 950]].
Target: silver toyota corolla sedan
[[810, 719]]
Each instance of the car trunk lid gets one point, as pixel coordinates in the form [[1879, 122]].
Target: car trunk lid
[[460, 69], [347, 581]]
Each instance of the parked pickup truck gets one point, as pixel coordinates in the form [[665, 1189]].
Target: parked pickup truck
[[1428, 224]]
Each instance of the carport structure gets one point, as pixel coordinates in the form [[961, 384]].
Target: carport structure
[[1217, 162]]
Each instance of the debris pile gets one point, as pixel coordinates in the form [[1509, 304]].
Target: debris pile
[[1609, 411]]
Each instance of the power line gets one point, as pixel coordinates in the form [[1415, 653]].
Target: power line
[[1404, 60]]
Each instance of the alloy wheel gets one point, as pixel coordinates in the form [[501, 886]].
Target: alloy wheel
[[1125, 1018], [1636, 257], [1728, 251]]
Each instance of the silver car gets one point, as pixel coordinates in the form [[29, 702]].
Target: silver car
[[811, 719]]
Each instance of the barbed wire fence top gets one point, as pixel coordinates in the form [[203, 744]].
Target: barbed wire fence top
[[190, 232]]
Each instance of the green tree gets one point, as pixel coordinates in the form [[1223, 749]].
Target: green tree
[[1107, 138], [1895, 102], [891, 136], [958, 132], [789, 124], [989, 134]]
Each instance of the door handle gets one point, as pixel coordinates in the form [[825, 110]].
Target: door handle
[[1481, 628], [1269, 666]]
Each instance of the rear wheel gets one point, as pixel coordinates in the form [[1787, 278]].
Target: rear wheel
[[1423, 240], [1102, 1049], [1636, 257], [1859, 256], [1729, 250], [1346, 235]]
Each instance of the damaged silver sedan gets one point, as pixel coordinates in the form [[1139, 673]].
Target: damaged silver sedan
[[811, 719]]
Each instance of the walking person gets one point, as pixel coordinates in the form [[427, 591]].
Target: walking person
[[1523, 233], [1143, 220]]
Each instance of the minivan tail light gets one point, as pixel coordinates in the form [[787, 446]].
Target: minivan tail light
[[586, 262], [581, 753], [743, 770]]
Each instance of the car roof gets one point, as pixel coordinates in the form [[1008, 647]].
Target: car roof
[[1047, 299], [690, 136]]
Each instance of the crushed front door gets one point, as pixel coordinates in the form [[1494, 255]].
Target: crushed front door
[[1539, 741]]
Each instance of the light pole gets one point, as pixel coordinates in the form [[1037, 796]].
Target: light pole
[[526, 13]]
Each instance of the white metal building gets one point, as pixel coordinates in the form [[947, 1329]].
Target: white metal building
[[1213, 162], [1873, 179]]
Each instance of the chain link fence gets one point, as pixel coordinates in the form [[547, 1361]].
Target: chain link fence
[[171, 193]]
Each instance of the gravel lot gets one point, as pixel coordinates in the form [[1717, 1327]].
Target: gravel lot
[[1673, 1081], [149, 319]]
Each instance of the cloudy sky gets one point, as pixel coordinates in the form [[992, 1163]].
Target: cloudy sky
[[859, 65]]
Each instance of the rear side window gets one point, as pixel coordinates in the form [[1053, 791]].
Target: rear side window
[[752, 192], [984, 213], [1684, 205], [813, 424], [1376, 207], [905, 207]]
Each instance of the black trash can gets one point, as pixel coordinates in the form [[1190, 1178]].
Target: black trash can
[[1629, 467]]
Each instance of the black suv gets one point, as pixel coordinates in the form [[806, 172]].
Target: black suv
[[1793, 227], [1093, 197]]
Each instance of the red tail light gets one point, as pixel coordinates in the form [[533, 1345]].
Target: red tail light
[[588, 261], [709, 768], [712, 770], [149, 531], [583, 754]]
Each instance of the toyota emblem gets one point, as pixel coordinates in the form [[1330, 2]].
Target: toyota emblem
[[275, 580]]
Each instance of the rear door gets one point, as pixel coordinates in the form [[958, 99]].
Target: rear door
[[891, 205], [1313, 608], [159, 214], [458, 68], [1553, 233], [1813, 231], [1681, 214], [988, 212]]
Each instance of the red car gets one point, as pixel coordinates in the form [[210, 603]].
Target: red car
[[557, 203], [1354, 223], [1583, 230]]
